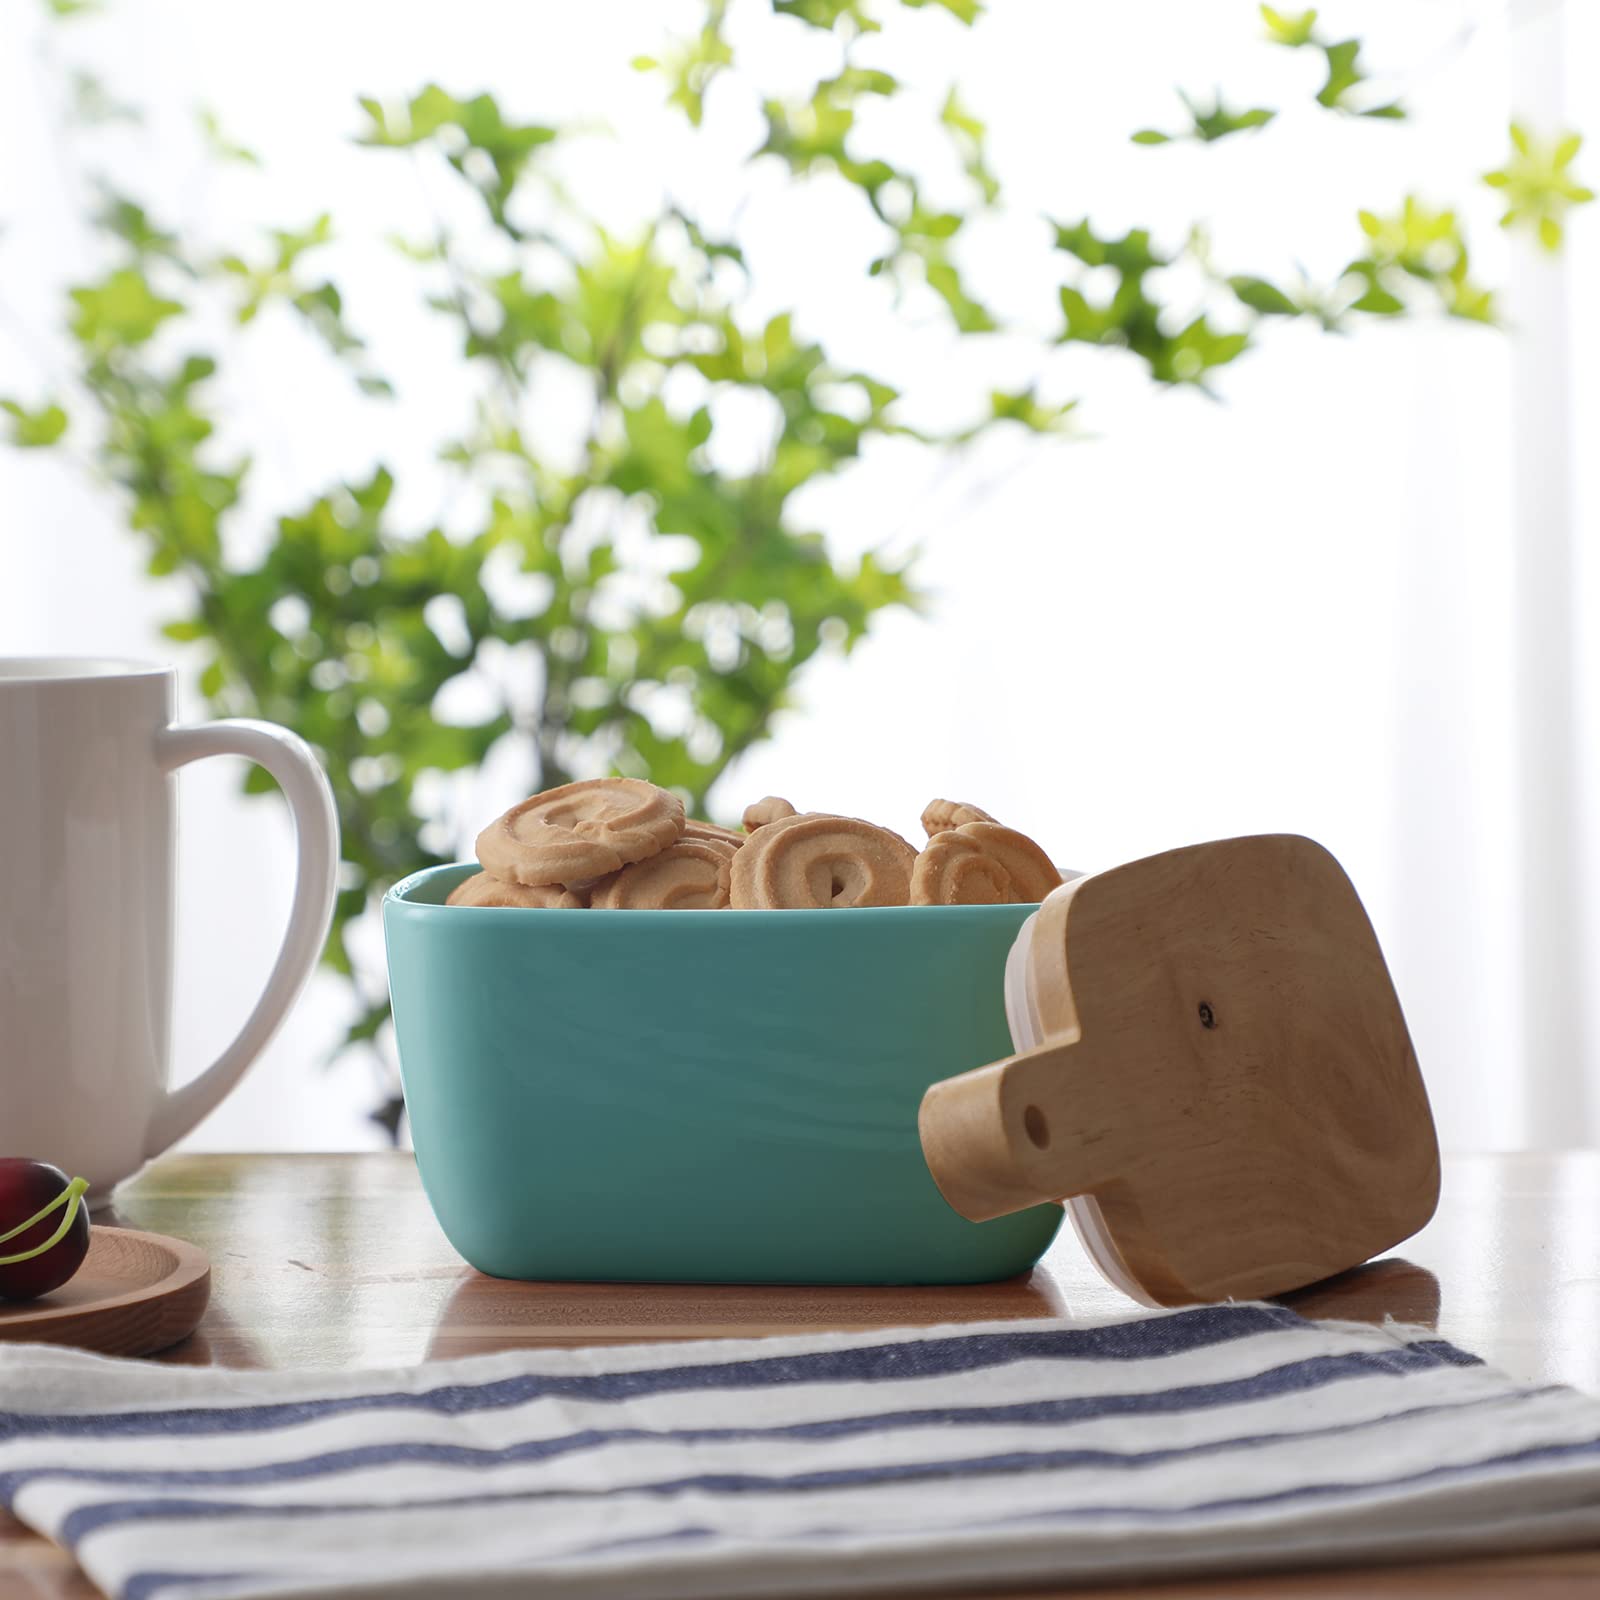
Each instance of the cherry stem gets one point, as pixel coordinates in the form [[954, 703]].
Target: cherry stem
[[71, 1197]]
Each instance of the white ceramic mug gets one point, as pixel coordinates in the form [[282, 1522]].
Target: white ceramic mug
[[87, 753]]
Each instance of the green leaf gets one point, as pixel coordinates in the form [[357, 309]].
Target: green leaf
[[967, 11], [1206, 126], [425, 252], [828, 14], [366, 1026], [1195, 352], [122, 309], [692, 66], [853, 81], [1343, 73], [1263, 297], [418, 119], [1346, 73], [931, 224], [1025, 407], [35, 430], [969, 136], [1290, 28], [1131, 255], [220, 145], [968, 314], [128, 221], [1243, 121], [1379, 301]]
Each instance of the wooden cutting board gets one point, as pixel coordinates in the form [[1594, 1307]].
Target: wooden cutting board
[[135, 1293]]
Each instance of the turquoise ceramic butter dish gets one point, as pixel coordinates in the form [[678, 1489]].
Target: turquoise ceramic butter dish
[[701, 1096]]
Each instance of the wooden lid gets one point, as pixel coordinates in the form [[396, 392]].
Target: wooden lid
[[1225, 1069]]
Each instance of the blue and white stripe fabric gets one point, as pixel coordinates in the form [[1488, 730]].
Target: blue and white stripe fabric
[[1213, 1438]]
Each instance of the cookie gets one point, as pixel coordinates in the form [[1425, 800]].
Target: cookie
[[955, 871], [769, 809], [580, 830], [481, 889], [815, 860], [982, 863], [940, 815], [695, 829], [689, 875]]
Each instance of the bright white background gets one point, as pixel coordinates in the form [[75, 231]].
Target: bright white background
[[1356, 600]]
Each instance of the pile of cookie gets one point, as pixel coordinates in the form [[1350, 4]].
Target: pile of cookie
[[616, 844]]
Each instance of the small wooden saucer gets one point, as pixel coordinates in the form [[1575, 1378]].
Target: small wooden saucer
[[135, 1293]]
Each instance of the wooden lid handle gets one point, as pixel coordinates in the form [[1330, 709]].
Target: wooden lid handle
[[1032, 1128]]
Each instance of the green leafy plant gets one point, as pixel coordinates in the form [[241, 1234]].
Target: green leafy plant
[[635, 605]]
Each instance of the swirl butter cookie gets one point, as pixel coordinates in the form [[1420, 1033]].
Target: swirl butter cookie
[[695, 829], [954, 871], [982, 863], [581, 830], [815, 860], [771, 808], [482, 889], [689, 875], [938, 816]]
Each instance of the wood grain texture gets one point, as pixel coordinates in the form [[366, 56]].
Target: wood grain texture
[[135, 1294], [335, 1261], [1225, 1069]]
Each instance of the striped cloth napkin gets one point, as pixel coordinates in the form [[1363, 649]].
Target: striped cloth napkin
[[1210, 1438]]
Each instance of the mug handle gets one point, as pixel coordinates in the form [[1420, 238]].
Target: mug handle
[[316, 830]]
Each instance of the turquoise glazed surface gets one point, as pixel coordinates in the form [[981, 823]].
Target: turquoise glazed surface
[[704, 1096]]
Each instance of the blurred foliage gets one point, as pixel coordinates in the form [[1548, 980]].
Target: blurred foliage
[[1206, 127], [1345, 87], [663, 607], [1538, 185]]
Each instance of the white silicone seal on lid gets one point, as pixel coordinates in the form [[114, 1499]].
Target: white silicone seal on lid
[[1027, 1033]]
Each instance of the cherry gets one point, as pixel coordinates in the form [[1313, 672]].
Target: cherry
[[44, 1227]]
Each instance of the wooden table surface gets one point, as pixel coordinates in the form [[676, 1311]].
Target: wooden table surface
[[335, 1261]]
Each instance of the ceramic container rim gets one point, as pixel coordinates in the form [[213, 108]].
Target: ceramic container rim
[[401, 896]]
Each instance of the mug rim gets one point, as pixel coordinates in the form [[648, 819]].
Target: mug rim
[[33, 670]]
